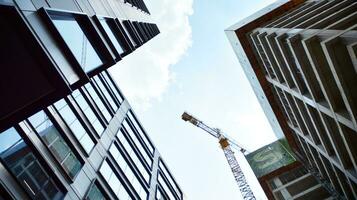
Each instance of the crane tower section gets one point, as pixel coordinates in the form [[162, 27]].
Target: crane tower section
[[225, 142]]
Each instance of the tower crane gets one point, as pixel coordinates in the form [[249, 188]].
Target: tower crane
[[226, 142]]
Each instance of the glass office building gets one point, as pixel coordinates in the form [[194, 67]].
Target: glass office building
[[66, 130]]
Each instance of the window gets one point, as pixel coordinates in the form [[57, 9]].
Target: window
[[119, 159], [19, 158], [137, 143], [55, 143], [106, 93], [134, 157], [167, 174], [113, 87], [113, 181], [76, 127], [105, 23], [87, 110], [94, 193], [141, 132], [165, 187], [98, 101], [160, 195], [76, 40]]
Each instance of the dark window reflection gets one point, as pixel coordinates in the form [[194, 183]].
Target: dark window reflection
[[19, 158], [94, 193], [111, 35], [77, 41], [55, 142]]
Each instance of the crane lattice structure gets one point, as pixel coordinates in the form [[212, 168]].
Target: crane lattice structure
[[226, 142]]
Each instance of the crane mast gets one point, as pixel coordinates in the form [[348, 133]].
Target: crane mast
[[225, 143]]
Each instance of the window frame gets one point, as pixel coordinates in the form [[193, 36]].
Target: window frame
[[136, 132], [132, 168], [132, 32], [117, 32], [89, 31], [106, 77], [136, 149], [69, 129], [166, 179], [65, 138], [38, 155], [99, 186]]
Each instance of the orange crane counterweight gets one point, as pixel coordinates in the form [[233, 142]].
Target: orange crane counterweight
[[226, 143]]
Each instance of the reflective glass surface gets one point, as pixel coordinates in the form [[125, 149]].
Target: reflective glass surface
[[130, 151], [56, 144], [77, 41], [119, 159], [112, 87], [137, 143], [98, 101], [106, 93], [87, 110], [111, 35], [17, 156], [94, 193], [113, 181], [141, 132], [169, 177], [76, 127], [165, 187]]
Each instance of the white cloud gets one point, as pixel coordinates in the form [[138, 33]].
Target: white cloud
[[145, 75]]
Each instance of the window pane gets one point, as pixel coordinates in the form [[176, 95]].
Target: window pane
[[76, 127], [124, 166], [141, 132], [133, 156], [98, 101], [112, 37], [21, 161], [137, 142], [94, 193], [113, 87], [56, 144], [169, 177], [113, 181], [106, 93], [77, 41], [166, 187]]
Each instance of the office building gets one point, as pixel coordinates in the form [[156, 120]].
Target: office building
[[300, 58], [66, 130]]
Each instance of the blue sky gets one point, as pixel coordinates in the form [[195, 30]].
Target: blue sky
[[190, 66]]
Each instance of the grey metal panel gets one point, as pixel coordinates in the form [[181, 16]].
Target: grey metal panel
[[40, 3], [71, 196], [95, 159], [98, 7], [106, 139], [87, 168], [85, 6], [25, 5], [64, 4], [81, 184]]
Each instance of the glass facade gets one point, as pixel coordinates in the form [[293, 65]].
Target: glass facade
[[137, 143], [113, 181], [113, 88], [55, 143], [127, 170], [105, 91], [88, 111], [77, 41], [165, 187], [111, 35], [169, 178], [98, 101], [76, 127], [141, 132], [133, 156], [19, 158], [94, 193]]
